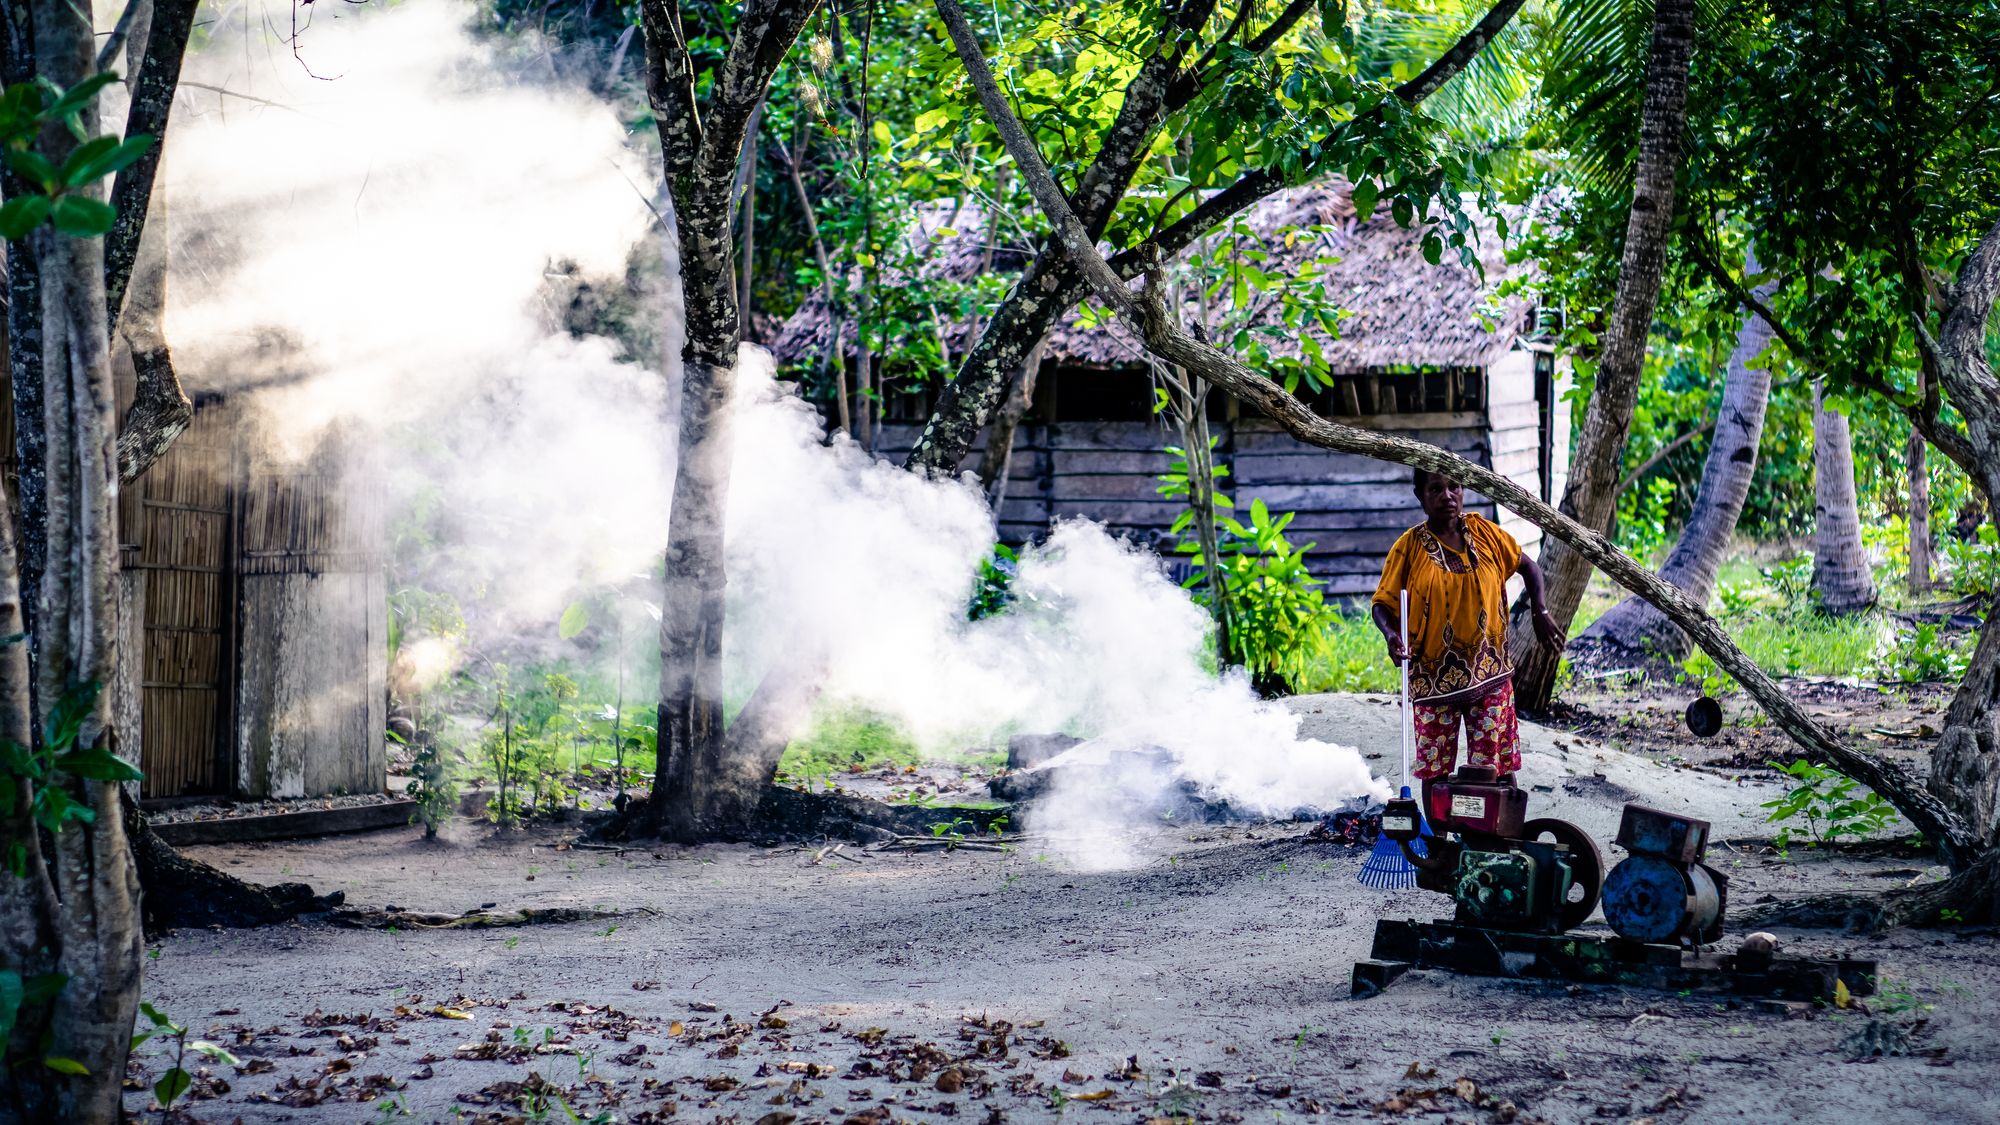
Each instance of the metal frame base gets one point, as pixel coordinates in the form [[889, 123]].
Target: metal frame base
[[1595, 959]]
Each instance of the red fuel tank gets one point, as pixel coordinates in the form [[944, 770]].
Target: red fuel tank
[[1473, 800]]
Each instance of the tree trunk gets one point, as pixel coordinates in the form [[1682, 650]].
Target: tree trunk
[[1633, 624], [1965, 767], [1840, 572], [93, 929], [700, 791], [1919, 577], [1592, 491], [999, 458]]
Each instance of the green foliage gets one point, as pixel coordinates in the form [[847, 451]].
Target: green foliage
[[992, 586], [41, 770], [56, 194], [1925, 655], [1831, 804], [1279, 619], [1973, 567], [1351, 659], [844, 739]]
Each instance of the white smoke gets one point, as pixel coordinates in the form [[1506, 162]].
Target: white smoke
[[374, 250]]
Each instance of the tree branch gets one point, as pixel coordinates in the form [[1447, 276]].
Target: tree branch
[[1148, 312], [670, 87], [152, 104]]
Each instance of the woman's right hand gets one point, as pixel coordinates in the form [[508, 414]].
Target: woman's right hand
[[1397, 653]]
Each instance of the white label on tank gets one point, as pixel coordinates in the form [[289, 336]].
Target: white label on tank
[[1399, 824], [1467, 805]]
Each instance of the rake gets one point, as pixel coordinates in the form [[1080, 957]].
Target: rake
[[1387, 867]]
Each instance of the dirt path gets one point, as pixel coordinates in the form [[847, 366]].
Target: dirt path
[[1220, 965]]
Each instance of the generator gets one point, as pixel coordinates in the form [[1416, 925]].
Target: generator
[[1663, 893], [1502, 870]]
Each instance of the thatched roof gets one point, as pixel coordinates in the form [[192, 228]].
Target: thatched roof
[[1404, 311]]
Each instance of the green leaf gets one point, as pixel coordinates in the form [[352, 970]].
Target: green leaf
[[82, 217], [575, 619], [1364, 199], [116, 158], [70, 711], [171, 1085], [68, 102], [23, 214], [65, 1066], [1433, 248], [97, 764], [215, 1052], [31, 165]]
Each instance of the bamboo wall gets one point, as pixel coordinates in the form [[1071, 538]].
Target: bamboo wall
[[180, 571], [255, 604]]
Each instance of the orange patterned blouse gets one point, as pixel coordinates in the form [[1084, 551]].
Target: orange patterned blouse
[[1458, 608]]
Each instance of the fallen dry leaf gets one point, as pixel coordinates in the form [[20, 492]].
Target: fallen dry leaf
[[1093, 1096], [1419, 1070], [451, 1013]]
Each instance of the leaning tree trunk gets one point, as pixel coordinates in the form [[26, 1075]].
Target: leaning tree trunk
[[1840, 574], [1593, 480], [1634, 624]]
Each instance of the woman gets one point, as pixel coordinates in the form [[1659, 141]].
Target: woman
[[1455, 565]]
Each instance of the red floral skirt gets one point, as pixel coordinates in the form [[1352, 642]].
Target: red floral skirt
[[1492, 733]]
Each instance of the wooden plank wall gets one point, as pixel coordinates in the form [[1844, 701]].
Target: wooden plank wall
[[1349, 508], [312, 680], [1515, 420]]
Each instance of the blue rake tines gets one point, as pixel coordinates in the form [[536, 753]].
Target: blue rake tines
[[1387, 868]]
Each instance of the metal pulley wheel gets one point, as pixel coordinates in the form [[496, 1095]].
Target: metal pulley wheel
[[1586, 866]]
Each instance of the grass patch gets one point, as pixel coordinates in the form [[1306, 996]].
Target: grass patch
[[1354, 659], [846, 737]]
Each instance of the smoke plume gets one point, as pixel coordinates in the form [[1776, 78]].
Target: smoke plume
[[378, 251]]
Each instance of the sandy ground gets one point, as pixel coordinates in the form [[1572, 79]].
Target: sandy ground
[[1209, 981]]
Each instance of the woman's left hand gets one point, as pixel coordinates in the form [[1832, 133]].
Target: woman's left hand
[[1548, 632]]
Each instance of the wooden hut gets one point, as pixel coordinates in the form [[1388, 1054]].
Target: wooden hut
[[255, 653], [1424, 352]]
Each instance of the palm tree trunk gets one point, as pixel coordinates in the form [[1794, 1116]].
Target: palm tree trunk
[[1634, 624], [1840, 563], [1593, 482]]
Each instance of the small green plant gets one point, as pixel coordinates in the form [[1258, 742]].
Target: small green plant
[[1925, 655], [951, 831], [433, 784], [177, 1081], [1831, 804], [993, 586], [1974, 564]]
